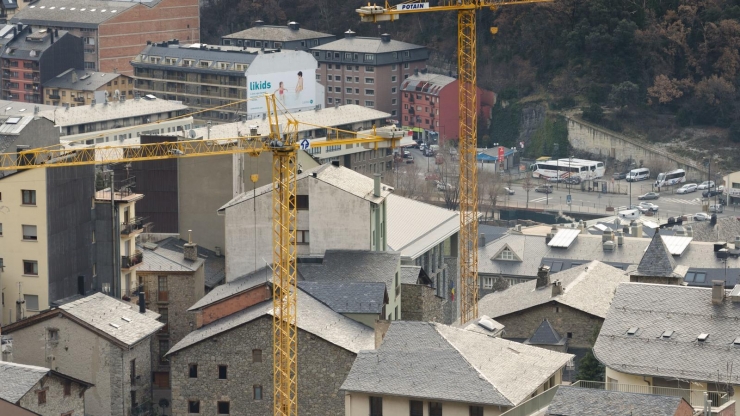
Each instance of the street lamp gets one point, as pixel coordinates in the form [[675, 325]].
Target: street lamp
[[556, 148]]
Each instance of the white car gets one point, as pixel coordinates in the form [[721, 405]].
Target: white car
[[706, 185], [689, 187], [718, 208], [701, 216], [647, 206]]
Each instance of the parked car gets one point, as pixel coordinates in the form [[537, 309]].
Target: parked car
[[649, 195], [647, 206], [441, 186], [706, 185], [556, 180], [545, 189], [573, 180], [718, 208], [509, 190], [701, 216], [409, 159], [689, 187], [406, 154], [711, 192], [619, 175]]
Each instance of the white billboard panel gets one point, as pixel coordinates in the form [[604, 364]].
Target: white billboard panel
[[293, 90]]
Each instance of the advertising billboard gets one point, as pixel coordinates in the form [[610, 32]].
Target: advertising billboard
[[293, 90]]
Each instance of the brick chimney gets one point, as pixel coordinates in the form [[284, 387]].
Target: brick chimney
[[543, 276], [718, 291], [190, 249]]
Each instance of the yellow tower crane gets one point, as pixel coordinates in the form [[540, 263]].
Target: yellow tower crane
[[282, 141], [468, 128]]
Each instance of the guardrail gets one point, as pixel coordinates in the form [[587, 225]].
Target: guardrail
[[694, 397], [533, 405]]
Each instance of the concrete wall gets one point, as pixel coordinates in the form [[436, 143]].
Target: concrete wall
[[319, 361], [358, 404], [56, 402], [63, 54], [337, 219], [521, 325]]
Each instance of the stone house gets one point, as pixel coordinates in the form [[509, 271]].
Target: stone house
[[225, 365], [172, 282], [472, 373], [363, 302], [41, 390], [673, 338], [574, 302], [94, 338]]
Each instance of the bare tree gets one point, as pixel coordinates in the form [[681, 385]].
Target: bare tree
[[528, 184], [490, 187], [408, 181], [448, 167]]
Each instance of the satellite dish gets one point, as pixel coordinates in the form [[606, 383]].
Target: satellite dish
[[191, 133]]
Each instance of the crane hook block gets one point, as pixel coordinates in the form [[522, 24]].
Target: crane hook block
[[494, 30]]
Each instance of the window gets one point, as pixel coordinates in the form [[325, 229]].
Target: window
[[435, 409], [257, 392], [193, 406], [369, 80], [393, 78], [1, 229], [570, 335], [32, 302], [369, 69], [557, 309], [256, 356], [318, 77], [31, 267], [349, 79], [357, 79], [164, 318], [164, 346], [41, 394], [487, 282], [336, 56], [507, 254], [29, 197], [29, 232], [376, 406], [357, 91], [698, 277], [349, 90], [223, 408], [53, 334], [406, 65], [348, 56], [193, 370], [369, 104], [222, 369], [476, 410], [302, 237], [394, 67], [67, 388], [369, 92], [162, 293], [329, 100], [369, 57], [416, 408], [394, 101]]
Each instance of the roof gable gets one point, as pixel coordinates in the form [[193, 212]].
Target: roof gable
[[506, 247], [17, 379], [545, 334]]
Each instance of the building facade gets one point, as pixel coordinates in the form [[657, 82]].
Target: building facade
[[41, 390], [76, 87], [367, 71], [114, 32], [290, 37]]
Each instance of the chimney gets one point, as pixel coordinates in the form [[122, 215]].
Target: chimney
[[190, 249], [20, 27], [381, 327], [349, 34], [689, 231], [620, 238], [74, 76], [81, 285], [142, 301], [718, 292], [482, 240], [636, 229], [607, 236], [376, 184], [385, 38], [551, 234], [543, 276], [294, 25], [56, 33], [259, 23], [557, 288], [737, 242], [608, 245]]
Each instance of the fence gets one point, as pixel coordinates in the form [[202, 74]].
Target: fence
[[694, 397], [533, 405]]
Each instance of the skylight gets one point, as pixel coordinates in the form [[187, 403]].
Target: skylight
[[736, 341], [115, 325], [632, 331], [126, 319], [667, 334], [702, 337], [13, 120]]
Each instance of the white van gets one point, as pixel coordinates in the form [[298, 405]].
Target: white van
[[640, 174]]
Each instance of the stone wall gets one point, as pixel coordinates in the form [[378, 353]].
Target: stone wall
[[120, 377], [419, 303], [57, 403], [322, 368], [564, 320], [451, 308]]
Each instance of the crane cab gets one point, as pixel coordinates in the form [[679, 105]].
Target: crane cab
[[374, 13]]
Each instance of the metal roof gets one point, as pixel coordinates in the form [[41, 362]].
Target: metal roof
[[415, 227], [74, 13], [427, 83], [366, 45], [675, 244], [277, 33], [114, 110], [86, 80], [564, 238]]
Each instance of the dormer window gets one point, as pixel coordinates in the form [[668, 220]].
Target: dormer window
[[506, 254], [667, 334]]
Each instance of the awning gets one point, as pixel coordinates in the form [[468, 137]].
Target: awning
[[417, 129]]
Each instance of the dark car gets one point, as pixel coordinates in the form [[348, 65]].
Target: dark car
[[711, 193], [573, 180], [545, 189], [620, 175], [649, 195]]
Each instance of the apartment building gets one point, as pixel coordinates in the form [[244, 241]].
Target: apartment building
[[367, 71], [20, 127], [77, 87], [33, 57], [290, 37]]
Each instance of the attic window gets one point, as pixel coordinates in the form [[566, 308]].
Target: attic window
[[126, 319], [667, 334], [633, 330], [506, 255], [115, 325], [702, 337]]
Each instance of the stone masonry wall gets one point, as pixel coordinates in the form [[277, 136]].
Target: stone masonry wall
[[120, 376], [56, 402], [419, 303], [322, 367], [580, 324], [451, 307]]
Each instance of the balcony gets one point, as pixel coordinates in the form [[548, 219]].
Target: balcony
[[128, 262], [79, 99], [132, 225], [54, 96]]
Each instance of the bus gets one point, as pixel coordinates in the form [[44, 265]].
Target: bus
[[565, 168], [670, 178], [596, 168]]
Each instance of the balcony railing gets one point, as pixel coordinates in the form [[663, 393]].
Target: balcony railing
[[144, 409], [128, 262], [694, 397], [132, 225], [533, 405]]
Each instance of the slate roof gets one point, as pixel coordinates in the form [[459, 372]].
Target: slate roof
[[17, 379], [587, 287], [576, 401], [467, 367], [74, 13], [165, 260], [215, 266], [114, 110], [91, 83], [476, 327], [313, 317], [348, 297], [234, 287], [361, 44], [688, 311], [727, 229], [545, 334], [22, 48], [353, 266], [410, 274], [657, 261], [429, 83], [103, 312], [277, 33], [415, 227]]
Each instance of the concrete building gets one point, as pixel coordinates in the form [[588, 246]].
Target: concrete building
[[114, 32], [643, 345], [470, 373], [34, 56], [431, 104], [41, 391], [225, 365], [575, 401], [337, 208], [172, 282], [732, 188], [98, 339], [21, 126], [77, 87], [367, 71], [205, 76], [47, 237], [290, 37]]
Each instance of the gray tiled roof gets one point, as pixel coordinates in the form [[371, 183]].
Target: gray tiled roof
[[22, 47], [545, 334], [107, 314], [114, 110], [576, 401], [727, 229], [313, 317], [17, 379], [587, 287], [656, 261], [410, 274], [348, 297], [75, 13], [366, 45], [210, 53], [234, 287], [467, 367], [277, 33], [688, 311], [94, 81], [165, 260], [215, 266], [353, 266]]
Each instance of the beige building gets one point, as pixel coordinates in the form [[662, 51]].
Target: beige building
[[40, 390], [96, 338], [76, 87], [732, 188]]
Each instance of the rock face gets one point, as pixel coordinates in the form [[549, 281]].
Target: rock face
[[532, 118]]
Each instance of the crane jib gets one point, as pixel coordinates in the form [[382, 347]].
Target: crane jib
[[412, 6]]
